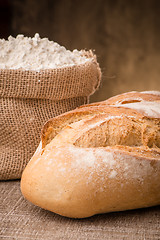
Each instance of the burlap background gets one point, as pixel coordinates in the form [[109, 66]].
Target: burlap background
[[29, 98]]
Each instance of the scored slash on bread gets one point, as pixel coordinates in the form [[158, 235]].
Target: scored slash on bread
[[94, 112], [98, 158]]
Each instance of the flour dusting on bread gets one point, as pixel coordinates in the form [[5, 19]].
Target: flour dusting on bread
[[149, 109], [152, 92], [83, 158]]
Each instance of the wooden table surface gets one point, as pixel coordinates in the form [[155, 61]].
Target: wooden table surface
[[20, 219]]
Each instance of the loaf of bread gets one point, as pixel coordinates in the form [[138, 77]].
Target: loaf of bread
[[98, 158]]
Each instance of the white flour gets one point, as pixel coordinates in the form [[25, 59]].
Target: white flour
[[36, 53], [149, 109]]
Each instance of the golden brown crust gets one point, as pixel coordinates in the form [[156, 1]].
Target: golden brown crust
[[54, 125], [98, 158]]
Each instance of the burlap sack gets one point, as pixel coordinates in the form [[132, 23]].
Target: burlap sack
[[29, 98]]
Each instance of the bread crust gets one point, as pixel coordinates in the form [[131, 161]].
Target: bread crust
[[98, 158]]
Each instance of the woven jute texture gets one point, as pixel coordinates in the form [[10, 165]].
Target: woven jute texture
[[20, 220], [29, 98]]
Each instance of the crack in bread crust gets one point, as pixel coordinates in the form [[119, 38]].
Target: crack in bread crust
[[103, 125], [55, 125]]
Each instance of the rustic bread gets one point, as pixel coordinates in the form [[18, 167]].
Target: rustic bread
[[99, 158]]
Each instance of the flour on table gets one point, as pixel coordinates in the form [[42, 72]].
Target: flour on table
[[36, 53]]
